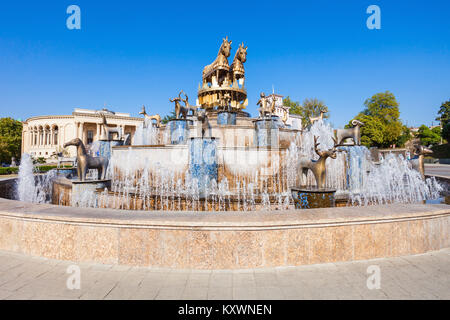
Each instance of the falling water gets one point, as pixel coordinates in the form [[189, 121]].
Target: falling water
[[31, 187]]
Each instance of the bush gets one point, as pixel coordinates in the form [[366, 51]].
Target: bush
[[43, 169], [441, 151], [39, 169], [8, 170]]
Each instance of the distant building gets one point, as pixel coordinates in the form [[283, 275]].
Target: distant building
[[294, 120], [42, 136]]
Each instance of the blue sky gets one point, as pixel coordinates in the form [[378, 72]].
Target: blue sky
[[130, 53]]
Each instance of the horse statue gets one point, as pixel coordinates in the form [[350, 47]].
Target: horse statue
[[155, 117], [238, 63], [221, 62], [264, 108], [86, 162], [106, 130], [179, 109]]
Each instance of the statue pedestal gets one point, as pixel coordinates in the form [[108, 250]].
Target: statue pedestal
[[103, 148], [179, 130], [66, 172], [84, 192], [226, 118], [311, 197], [203, 162], [267, 133]]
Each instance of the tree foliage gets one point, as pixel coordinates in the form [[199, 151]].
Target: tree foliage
[[444, 113], [310, 108], [382, 124], [10, 139], [429, 137], [169, 117], [446, 131]]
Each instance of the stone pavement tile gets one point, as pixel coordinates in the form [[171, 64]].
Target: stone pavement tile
[[5, 293], [269, 293], [99, 290], [176, 280], [170, 293], [126, 287], [20, 296], [266, 279], [220, 293], [221, 279], [244, 293], [246, 279], [195, 293], [154, 279], [145, 293], [198, 280]]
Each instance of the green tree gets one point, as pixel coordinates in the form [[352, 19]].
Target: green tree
[[295, 107], [404, 137], [310, 108], [446, 131], [429, 136], [169, 117], [381, 117], [444, 113], [10, 139]]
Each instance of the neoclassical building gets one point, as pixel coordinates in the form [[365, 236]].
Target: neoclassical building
[[42, 136]]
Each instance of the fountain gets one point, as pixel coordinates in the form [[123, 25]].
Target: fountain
[[214, 157]]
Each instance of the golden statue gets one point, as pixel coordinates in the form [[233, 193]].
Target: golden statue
[[211, 73], [179, 109], [318, 167], [264, 109], [237, 65], [222, 85]]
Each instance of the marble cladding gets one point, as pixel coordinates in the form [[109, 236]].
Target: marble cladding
[[226, 118], [179, 131], [251, 245]]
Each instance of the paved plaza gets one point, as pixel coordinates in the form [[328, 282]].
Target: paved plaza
[[442, 170], [425, 276]]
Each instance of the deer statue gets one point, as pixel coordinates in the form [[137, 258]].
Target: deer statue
[[86, 162], [155, 117], [106, 130], [417, 162], [314, 119], [354, 133], [318, 167]]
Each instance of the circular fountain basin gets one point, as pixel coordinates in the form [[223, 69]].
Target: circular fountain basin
[[313, 197], [222, 240]]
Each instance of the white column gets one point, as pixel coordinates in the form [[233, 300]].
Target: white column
[[82, 131], [98, 131]]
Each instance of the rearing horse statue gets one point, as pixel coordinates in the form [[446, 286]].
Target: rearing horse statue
[[86, 162]]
